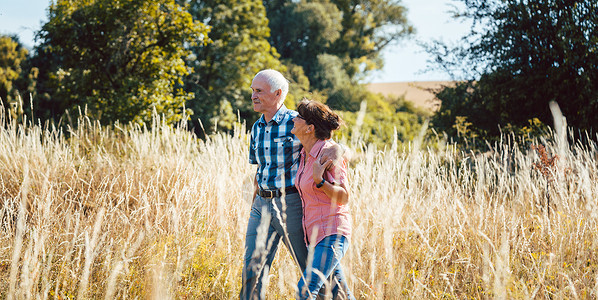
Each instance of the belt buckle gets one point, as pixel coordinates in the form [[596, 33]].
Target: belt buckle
[[266, 193]]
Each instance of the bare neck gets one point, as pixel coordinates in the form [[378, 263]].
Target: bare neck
[[308, 142], [268, 115]]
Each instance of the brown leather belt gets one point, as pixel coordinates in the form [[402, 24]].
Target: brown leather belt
[[276, 193]]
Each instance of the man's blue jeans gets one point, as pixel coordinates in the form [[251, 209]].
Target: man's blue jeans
[[278, 219], [326, 261]]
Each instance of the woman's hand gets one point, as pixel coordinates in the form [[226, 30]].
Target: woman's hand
[[319, 169]]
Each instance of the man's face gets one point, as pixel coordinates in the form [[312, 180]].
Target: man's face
[[264, 101]]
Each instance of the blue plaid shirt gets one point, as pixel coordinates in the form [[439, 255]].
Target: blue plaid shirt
[[275, 150]]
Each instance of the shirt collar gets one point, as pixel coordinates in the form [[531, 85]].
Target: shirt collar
[[315, 150], [278, 117]]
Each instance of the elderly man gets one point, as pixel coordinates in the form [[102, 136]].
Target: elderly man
[[276, 203]]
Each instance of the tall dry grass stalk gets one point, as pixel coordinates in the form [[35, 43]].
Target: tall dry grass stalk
[[135, 212]]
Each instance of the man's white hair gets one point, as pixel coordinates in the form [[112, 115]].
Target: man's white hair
[[276, 81]]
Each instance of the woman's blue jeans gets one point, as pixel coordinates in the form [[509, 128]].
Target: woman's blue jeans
[[326, 261]]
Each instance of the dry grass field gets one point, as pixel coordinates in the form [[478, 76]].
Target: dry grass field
[[153, 213]]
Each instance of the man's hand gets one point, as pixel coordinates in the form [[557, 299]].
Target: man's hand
[[333, 153]]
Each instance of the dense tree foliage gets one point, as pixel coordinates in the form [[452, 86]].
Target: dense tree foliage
[[17, 78], [121, 60], [336, 42], [526, 54], [382, 121], [303, 30], [12, 55], [223, 70], [367, 28]]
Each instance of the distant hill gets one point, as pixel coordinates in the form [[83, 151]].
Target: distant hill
[[419, 93]]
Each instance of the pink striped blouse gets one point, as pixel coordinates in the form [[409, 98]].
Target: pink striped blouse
[[320, 217]]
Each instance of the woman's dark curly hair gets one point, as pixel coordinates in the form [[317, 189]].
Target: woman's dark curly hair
[[321, 116]]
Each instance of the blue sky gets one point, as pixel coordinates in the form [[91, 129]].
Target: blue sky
[[403, 61]]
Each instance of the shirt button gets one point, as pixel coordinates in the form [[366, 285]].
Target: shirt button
[[266, 148]]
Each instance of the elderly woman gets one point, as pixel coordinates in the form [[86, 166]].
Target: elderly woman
[[324, 194]]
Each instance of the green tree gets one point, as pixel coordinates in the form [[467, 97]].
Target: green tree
[[336, 43], [299, 87], [223, 70], [383, 120], [12, 55], [367, 28], [303, 30], [329, 36], [120, 59], [16, 76], [524, 54]]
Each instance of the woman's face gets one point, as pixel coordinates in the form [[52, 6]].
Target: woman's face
[[301, 127]]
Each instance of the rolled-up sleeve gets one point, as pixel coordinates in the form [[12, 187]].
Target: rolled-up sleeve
[[337, 174]]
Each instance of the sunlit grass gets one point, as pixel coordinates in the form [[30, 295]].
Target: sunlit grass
[[133, 212]]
